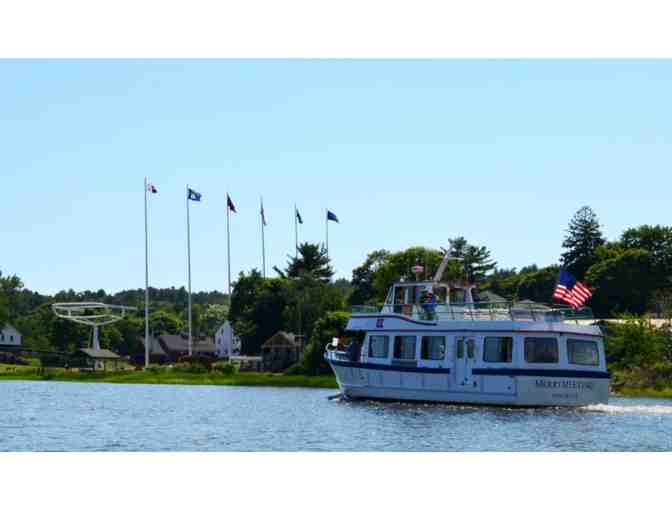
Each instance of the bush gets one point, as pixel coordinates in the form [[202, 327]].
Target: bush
[[190, 368], [225, 368], [155, 369], [313, 363], [636, 343]]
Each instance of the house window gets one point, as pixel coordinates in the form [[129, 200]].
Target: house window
[[498, 350], [379, 346], [541, 350], [404, 348], [583, 352], [433, 348]]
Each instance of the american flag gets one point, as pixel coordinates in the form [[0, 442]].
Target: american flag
[[571, 291]]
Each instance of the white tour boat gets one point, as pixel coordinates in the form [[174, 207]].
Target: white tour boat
[[456, 350]]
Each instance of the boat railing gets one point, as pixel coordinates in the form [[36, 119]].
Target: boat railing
[[490, 311]]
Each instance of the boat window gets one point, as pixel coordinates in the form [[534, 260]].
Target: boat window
[[541, 350], [498, 350], [583, 352], [471, 348], [458, 296], [404, 348], [460, 349], [433, 348], [379, 346]]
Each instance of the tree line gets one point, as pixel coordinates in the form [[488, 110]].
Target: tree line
[[632, 274]]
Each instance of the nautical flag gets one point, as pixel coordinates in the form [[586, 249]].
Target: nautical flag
[[151, 188], [332, 217], [571, 291], [298, 216], [229, 204], [194, 195], [263, 215]]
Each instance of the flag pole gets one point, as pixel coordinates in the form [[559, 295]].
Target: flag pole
[[263, 239], [189, 272], [296, 232], [326, 216], [146, 282], [228, 239]]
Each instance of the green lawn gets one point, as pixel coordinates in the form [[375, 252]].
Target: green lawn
[[18, 373]]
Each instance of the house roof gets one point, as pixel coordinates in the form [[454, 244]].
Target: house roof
[[100, 354], [281, 339], [179, 343], [528, 304], [155, 348], [490, 297]]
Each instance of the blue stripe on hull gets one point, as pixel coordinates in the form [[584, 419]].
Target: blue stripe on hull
[[511, 372], [535, 372]]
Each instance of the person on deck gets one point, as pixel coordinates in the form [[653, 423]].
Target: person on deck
[[429, 306], [354, 351]]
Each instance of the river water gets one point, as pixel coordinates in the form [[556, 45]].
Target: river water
[[49, 416]]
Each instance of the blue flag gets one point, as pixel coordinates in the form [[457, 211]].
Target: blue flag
[[332, 217], [194, 195], [298, 217]]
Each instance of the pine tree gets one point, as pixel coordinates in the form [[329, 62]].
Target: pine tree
[[583, 238]]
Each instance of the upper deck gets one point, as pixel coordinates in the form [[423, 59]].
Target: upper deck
[[456, 303]]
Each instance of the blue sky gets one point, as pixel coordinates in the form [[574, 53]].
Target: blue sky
[[404, 152]]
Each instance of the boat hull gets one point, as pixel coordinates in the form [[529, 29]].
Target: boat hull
[[535, 389]]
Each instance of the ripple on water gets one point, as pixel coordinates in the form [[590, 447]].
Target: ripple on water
[[95, 417]]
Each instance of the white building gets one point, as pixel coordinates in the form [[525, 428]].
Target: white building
[[227, 344], [10, 336]]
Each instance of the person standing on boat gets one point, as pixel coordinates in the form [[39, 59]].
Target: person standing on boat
[[429, 305], [354, 351]]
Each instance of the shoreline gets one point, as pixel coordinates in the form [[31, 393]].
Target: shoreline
[[249, 379], [179, 378]]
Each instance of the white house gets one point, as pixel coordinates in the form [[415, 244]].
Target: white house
[[10, 336], [227, 344]]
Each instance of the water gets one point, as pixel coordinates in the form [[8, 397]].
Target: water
[[46, 416]]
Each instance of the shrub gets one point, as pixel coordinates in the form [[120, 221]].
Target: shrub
[[225, 368], [635, 343], [313, 363], [190, 368]]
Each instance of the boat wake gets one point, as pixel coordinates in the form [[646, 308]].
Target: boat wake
[[636, 409]]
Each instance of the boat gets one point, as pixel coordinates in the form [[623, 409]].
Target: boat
[[452, 349]]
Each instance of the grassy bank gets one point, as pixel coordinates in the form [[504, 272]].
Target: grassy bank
[[18, 373]]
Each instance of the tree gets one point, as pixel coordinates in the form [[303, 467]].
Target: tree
[[312, 260], [362, 278], [583, 238], [622, 283], [332, 325], [258, 308], [10, 288], [657, 240], [213, 317], [538, 285], [398, 266], [476, 263]]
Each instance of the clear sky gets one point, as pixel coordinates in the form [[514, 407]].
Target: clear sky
[[404, 152]]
